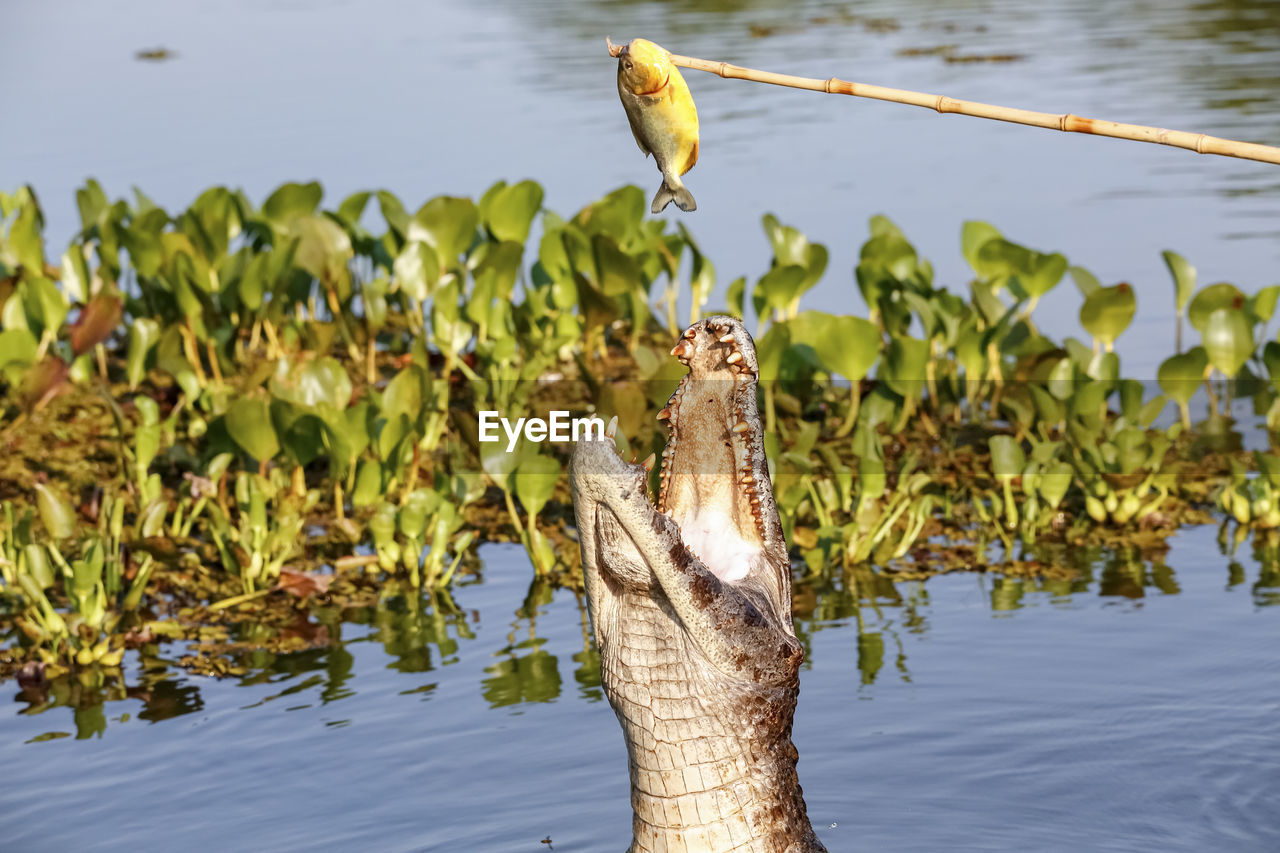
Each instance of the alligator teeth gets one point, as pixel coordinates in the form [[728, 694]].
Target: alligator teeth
[[741, 426], [747, 479], [612, 428], [681, 351], [648, 463], [690, 333], [734, 357], [727, 339]]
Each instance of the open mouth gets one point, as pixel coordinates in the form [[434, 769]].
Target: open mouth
[[713, 482]]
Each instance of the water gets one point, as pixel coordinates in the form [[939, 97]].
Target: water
[[1132, 708], [1135, 708], [429, 98]]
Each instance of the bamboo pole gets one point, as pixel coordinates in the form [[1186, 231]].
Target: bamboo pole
[[1200, 143]]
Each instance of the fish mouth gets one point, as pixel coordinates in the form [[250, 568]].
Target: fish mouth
[[628, 65], [658, 88]]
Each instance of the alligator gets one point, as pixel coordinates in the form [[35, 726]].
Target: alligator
[[690, 603]]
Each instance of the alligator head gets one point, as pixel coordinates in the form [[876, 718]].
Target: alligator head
[[691, 605]]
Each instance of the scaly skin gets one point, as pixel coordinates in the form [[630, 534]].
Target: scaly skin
[[699, 659]]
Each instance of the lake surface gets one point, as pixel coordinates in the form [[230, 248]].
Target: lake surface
[[1136, 707], [447, 97]]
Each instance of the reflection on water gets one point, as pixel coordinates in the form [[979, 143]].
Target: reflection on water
[[1144, 679], [420, 634]]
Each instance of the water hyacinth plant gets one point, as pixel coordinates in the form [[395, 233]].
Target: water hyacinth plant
[[236, 407]]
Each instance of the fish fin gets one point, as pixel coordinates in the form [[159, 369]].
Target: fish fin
[[667, 194], [693, 158]]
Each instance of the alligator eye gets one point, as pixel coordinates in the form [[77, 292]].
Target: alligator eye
[[628, 66]]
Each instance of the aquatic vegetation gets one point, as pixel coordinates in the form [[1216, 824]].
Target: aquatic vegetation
[[232, 408]]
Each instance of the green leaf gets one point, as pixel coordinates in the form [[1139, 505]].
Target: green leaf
[[1262, 305], [146, 252], [702, 276], [1270, 358], [417, 270], [1151, 410], [884, 255], [91, 201], [1061, 379], [1085, 281], [500, 262], [393, 213], [770, 349], [418, 506], [144, 332], [1184, 278], [368, 484], [619, 214], [448, 223], [1104, 366], [778, 287], [1007, 458], [973, 236], [374, 295], [321, 382], [248, 422], [510, 212], [55, 511], [323, 247], [845, 345], [903, 368], [1045, 273], [404, 394], [1107, 312], [733, 295], [619, 273], [790, 246], [1048, 407], [1228, 340], [498, 463], [44, 302], [291, 200], [352, 207], [535, 481], [999, 259], [1269, 466], [38, 567], [25, 239], [75, 273], [1088, 401], [17, 347], [1210, 299]]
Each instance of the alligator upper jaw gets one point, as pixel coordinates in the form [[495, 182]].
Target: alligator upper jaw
[[710, 482], [714, 482]]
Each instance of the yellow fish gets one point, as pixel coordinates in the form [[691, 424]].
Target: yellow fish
[[662, 117]]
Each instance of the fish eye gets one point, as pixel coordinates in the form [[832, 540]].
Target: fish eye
[[628, 66]]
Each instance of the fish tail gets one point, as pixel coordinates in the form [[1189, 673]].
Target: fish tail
[[673, 189]]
